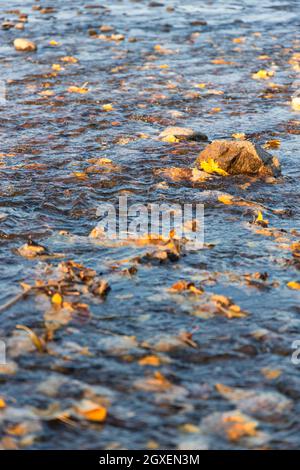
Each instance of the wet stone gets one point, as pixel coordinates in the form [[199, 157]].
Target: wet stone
[[240, 157], [181, 134], [24, 45]]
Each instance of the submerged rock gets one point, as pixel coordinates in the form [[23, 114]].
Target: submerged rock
[[268, 406], [24, 45], [173, 134], [239, 157]]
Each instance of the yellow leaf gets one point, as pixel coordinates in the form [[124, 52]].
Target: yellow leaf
[[57, 67], [296, 103], [225, 199], [293, 285], [263, 74], [239, 135], [108, 107], [163, 66], [69, 59], [80, 175], [240, 40], [53, 43], [150, 361], [77, 89], [272, 144], [260, 220], [104, 161], [171, 139], [210, 166], [57, 300], [200, 85], [2, 403], [216, 110], [190, 428]]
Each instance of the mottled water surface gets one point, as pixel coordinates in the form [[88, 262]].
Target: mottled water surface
[[187, 64]]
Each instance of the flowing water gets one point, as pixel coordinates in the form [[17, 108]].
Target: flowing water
[[50, 191]]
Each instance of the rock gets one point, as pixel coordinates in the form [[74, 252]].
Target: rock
[[19, 26], [267, 406], [7, 25], [24, 45], [32, 249], [239, 157], [235, 427], [181, 133]]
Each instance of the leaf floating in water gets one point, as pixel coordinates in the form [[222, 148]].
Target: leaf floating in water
[[69, 60], [36, 341], [295, 285], [239, 426], [53, 43], [150, 361], [272, 144], [2, 403], [57, 67], [92, 411], [271, 374], [107, 107], [185, 286], [263, 75], [78, 89], [157, 383], [239, 136], [57, 300]]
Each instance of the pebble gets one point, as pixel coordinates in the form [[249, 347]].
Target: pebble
[[24, 45]]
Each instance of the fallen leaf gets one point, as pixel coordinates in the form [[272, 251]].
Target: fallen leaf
[[36, 341], [150, 361], [272, 144], [271, 374], [91, 411], [211, 166], [57, 67], [57, 300], [77, 89], [263, 74], [295, 285], [107, 107], [239, 135], [69, 59], [2, 403], [171, 139]]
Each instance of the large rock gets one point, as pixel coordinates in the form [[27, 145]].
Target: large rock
[[239, 157], [24, 45], [181, 133]]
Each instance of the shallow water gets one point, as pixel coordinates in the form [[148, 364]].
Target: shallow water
[[45, 139]]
